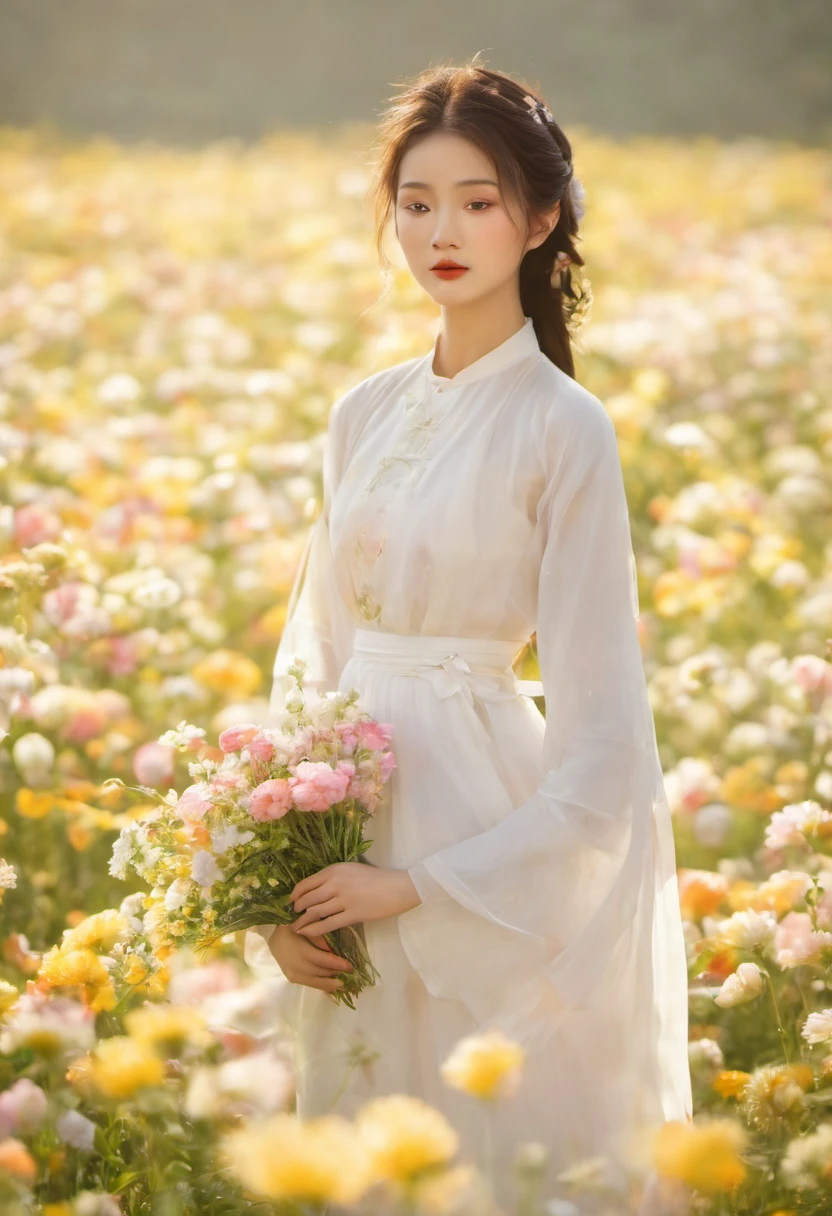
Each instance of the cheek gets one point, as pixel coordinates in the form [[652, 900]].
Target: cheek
[[497, 239]]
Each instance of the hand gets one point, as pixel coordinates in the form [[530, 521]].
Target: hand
[[347, 893], [303, 962]]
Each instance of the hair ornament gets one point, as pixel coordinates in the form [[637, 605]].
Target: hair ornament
[[537, 108]]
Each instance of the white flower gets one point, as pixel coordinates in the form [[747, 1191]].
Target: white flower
[[818, 1027], [228, 837], [75, 1130], [182, 736], [204, 868], [123, 849], [8, 875], [748, 930], [744, 985], [789, 826], [806, 1160], [705, 1054], [177, 894]]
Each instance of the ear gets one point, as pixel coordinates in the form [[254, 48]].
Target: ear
[[549, 221]]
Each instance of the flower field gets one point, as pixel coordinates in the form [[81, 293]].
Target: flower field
[[174, 327]]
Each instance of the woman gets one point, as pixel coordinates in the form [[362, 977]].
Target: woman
[[524, 872]]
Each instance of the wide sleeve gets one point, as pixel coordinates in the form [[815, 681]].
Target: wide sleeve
[[318, 626], [570, 903]]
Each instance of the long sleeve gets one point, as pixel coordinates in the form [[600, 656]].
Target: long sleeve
[[318, 626], [576, 886]]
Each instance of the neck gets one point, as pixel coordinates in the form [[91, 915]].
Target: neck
[[470, 331]]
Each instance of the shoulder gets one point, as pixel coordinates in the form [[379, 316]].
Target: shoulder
[[357, 403], [571, 421]]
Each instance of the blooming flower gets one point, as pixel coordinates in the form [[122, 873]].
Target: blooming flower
[[271, 799], [818, 1027], [791, 825], [744, 985], [204, 868], [76, 1130], [316, 786], [486, 1065]]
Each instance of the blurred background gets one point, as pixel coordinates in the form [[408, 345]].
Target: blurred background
[[187, 284], [193, 70]]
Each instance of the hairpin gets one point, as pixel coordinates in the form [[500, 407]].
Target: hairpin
[[537, 107]]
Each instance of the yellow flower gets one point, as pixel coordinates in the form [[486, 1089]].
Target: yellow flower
[[283, 1158], [445, 1193], [34, 804], [228, 673], [98, 932], [166, 1028], [730, 1083], [57, 1209], [78, 969], [487, 1065], [775, 1091], [135, 970], [121, 1066], [405, 1135], [9, 996], [703, 1155]]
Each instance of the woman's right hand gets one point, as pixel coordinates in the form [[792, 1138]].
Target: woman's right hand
[[303, 961]]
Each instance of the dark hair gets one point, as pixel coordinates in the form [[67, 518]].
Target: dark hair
[[532, 158]]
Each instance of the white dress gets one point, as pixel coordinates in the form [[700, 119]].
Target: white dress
[[460, 515]]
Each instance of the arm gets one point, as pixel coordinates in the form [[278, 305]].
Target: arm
[[553, 911]]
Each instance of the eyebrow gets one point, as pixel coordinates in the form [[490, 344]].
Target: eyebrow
[[469, 181]]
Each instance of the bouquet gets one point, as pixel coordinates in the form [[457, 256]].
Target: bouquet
[[284, 802]]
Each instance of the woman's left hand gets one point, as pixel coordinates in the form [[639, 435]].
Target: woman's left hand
[[349, 892]]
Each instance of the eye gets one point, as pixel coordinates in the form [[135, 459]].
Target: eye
[[481, 204]]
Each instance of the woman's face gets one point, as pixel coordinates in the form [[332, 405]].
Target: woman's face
[[448, 207]]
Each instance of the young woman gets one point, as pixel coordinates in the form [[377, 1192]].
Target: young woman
[[524, 873]]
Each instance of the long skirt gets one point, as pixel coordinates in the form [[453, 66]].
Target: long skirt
[[468, 747]]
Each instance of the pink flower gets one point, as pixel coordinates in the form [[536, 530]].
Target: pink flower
[[316, 786], [35, 524], [193, 804], [86, 721], [153, 764], [375, 735], [812, 673], [365, 791], [261, 748], [386, 764], [271, 800], [227, 781], [22, 1107], [347, 736], [236, 737], [796, 942]]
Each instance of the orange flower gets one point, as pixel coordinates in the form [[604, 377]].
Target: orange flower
[[15, 1159], [730, 1083]]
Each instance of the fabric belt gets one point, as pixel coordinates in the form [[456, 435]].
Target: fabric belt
[[477, 667]]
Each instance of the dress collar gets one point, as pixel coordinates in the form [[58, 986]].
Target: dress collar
[[519, 346]]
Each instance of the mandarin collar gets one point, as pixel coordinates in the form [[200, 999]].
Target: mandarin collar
[[519, 346]]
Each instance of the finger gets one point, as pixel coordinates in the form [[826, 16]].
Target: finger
[[312, 898], [309, 883], [325, 983], [328, 908], [325, 926], [329, 962]]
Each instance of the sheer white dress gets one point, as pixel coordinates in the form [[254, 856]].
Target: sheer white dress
[[460, 515]]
